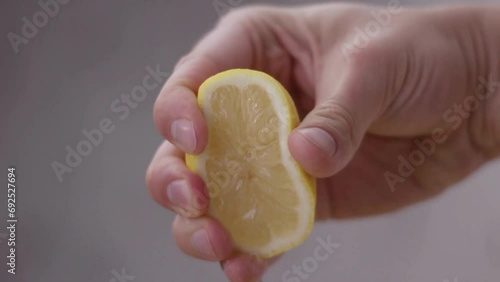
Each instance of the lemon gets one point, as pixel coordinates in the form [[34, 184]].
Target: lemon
[[257, 190]]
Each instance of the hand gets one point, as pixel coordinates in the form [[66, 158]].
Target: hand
[[368, 103]]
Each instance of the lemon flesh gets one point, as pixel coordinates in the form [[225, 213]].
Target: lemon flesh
[[257, 191]]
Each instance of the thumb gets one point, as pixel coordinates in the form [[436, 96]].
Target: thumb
[[328, 137]]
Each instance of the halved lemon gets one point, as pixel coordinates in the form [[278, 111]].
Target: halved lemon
[[258, 192]]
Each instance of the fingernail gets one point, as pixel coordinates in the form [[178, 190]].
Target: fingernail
[[201, 243], [182, 131], [177, 193], [321, 139]]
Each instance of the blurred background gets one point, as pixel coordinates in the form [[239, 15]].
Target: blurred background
[[98, 223]]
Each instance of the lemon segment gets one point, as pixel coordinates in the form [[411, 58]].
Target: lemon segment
[[257, 190]]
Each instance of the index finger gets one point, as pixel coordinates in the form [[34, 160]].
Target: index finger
[[176, 112]]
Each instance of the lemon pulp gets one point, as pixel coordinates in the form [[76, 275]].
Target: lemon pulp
[[258, 192]]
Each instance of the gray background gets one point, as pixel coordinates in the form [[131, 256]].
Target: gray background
[[101, 218]]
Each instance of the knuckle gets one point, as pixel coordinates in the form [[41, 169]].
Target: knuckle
[[160, 118], [149, 177], [178, 225], [198, 63], [181, 230], [184, 59], [159, 175], [338, 120], [241, 15], [249, 16], [169, 173], [152, 179]]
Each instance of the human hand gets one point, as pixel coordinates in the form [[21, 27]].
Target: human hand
[[364, 109]]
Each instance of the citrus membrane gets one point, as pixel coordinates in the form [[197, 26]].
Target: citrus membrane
[[257, 190]]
